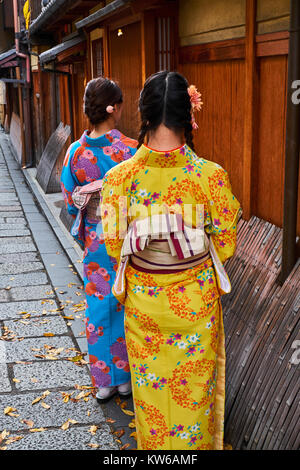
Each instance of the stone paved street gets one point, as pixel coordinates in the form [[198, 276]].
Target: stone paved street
[[42, 330]]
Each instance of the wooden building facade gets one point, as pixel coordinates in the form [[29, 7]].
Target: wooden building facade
[[236, 52], [237, 57]]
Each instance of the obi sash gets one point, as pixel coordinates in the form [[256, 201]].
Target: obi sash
[[87, 200], [184, 247]]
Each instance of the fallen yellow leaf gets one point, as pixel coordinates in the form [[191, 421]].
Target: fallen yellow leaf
[[37, 430], [125, 446], [109, 420], [28, 422], [93, 446], [128, 412], [13, 439], [93, 429], [44, 405], [4, 435], [9, 410], [45, 394], [119, 432], [65, 425], [48, 334]]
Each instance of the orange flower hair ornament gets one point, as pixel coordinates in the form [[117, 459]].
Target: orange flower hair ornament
[[196, 103]]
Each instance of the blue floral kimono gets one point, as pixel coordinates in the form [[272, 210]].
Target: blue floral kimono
[[88, 160]]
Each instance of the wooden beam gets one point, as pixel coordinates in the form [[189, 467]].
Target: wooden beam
[[220, 50], [249, 116], [63, 56], [272, 44], [267, 45]]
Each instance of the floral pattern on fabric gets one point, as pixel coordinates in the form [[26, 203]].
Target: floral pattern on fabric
[[173, 323], [88, 160]]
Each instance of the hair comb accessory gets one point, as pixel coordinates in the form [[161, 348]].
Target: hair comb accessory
[[196, 103], [110, 109]]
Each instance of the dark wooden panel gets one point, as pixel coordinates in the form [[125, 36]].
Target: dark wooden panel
[[8, 13], [126, 69], [269, 161]]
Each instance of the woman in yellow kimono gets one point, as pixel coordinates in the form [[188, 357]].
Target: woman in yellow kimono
[[173, 314]]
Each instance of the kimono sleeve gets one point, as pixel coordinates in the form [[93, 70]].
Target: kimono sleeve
[[113, 214], [224, 211], [68, 181]]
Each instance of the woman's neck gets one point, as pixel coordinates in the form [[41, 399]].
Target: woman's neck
[[164, 139], [102, 128]]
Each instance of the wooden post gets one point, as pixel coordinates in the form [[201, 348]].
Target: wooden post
[[41, 111], [106, 52], [250, 81], [148, 44]]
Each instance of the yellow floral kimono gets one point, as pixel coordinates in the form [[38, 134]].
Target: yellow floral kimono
[[173, 322]]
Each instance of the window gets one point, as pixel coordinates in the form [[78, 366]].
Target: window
[[165, 43], [97, 51]]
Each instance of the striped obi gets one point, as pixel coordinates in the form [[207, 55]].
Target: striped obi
[[163, 244]]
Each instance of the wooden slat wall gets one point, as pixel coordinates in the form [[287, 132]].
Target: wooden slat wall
[[220, 134], [79, 82], [270, 152], [64, 118], [221, 122], [126, 69], [43, 112]]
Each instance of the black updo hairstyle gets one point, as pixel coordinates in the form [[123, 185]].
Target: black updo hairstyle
[[165, 100], [100, 93]]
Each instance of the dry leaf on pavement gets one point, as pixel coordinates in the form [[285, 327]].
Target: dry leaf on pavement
[[128, 412], [119, 432], [28, 422], [93, 430], [44, 405], [125, 446]]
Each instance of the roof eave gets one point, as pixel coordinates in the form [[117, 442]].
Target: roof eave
[[51, 54], [47, 13], [102, 14]]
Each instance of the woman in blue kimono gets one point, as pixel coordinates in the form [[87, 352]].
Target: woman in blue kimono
[[87, 160]]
